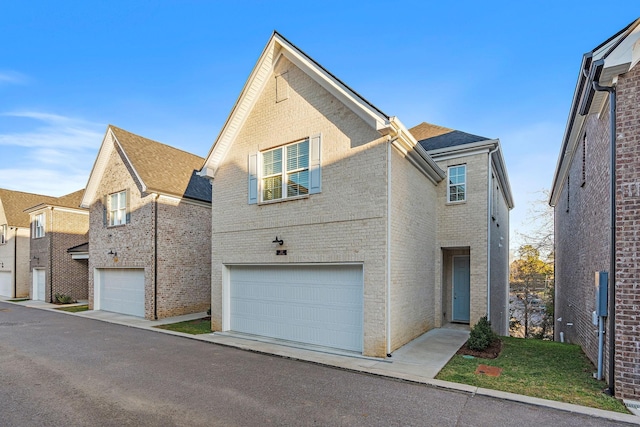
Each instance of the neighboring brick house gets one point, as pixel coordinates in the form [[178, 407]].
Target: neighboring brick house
[[149, 247], [583, 214], [15, 275], [56, 226], [333, 225]]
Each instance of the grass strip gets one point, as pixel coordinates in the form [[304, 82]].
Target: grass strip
[[194, 327], [543, 369]]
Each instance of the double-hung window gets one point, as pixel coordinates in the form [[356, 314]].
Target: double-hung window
[[3, 234], [457, 183], [38, 226], [285, 171], [117, 208]]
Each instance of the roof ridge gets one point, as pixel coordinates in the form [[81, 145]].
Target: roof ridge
[[156, 142]]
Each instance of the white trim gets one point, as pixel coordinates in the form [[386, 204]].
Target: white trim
[[96, 288], [255, 84], [449, 185], [226, 296], [80, 255]]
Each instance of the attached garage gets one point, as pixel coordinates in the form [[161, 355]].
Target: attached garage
[[120, 290], [319, 305], [38, 284], [6, 287]]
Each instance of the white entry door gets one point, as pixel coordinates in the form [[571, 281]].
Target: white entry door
[[120, 290], [6, 287], [320, 305], [38, 284]]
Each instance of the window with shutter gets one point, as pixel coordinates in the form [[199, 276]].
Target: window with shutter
[[3, 234], [38, 226], [286, 172]]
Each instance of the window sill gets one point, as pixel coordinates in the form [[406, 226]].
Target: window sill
[[459, 202], [270, 202], [116, 226]]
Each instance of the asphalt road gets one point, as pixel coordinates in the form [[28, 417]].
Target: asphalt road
[[61, 370]]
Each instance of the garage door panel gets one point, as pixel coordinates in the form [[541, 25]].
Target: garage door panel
[[122, 291], [6, 288], [319, 305]]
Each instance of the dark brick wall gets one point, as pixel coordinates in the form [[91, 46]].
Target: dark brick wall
[[582, 237], [627, 236]]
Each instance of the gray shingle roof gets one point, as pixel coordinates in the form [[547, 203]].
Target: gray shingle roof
[[433, 137], [164, 169]]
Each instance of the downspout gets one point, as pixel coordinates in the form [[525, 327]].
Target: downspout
[[612, 231], [15, 262], [489, 207], [155, 258]]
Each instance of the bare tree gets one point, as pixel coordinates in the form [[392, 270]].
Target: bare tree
[[541, 219]]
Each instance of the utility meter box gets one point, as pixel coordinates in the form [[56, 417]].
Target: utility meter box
[[602, 291]]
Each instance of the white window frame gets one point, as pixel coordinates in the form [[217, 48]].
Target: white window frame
[[462, 184], [284, 172], [38, 225], [3, 234], [117, 215]]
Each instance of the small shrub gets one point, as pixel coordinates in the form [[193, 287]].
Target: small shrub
[[63, 299], [481, 335], [209, 312]]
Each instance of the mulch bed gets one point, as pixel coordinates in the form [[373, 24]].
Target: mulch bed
[[490, 352]]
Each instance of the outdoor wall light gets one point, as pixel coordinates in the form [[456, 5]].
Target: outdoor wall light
[[112, 252], [280, 242], [36, 258]]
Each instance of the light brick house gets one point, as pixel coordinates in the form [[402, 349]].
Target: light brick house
[[56, 226], [149, 247], [333, 226], [583, 220], [15, 275]]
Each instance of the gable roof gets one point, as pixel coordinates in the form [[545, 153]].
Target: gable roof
[[441, 142], [15, 202], [279, 46], [434, 137], [70, 201], [602, 65], [158, 167]]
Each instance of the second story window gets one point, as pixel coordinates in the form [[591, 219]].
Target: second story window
[[3, 234], [285, 171], [457, 183], [38, 226], [117, 208]]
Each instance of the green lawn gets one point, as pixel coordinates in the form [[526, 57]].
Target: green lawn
[[75, 308], [194, 327], [544, 369]]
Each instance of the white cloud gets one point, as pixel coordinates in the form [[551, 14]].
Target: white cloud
[[54, 157], [12, 77]]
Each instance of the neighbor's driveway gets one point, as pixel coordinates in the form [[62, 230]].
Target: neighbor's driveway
[[57, 369]]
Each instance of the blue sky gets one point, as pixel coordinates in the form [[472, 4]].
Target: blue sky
[[172, 70]]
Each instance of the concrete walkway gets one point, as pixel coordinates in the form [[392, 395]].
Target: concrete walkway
[[418, 361]]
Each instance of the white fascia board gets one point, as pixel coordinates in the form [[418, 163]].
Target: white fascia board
[[406, 143], [503, 177], [343, 94], [80, 255], [100, 166], [464, 149], [251, 91]]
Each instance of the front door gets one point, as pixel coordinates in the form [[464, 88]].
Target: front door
[[461, 281]]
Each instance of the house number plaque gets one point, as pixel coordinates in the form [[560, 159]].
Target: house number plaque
[[281, 252]]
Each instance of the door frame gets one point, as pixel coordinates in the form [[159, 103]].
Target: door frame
[[454, 317]]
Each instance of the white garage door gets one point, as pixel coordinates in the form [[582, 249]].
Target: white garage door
[[320, 305], [120, 290], [38, 284], [6, 287]]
